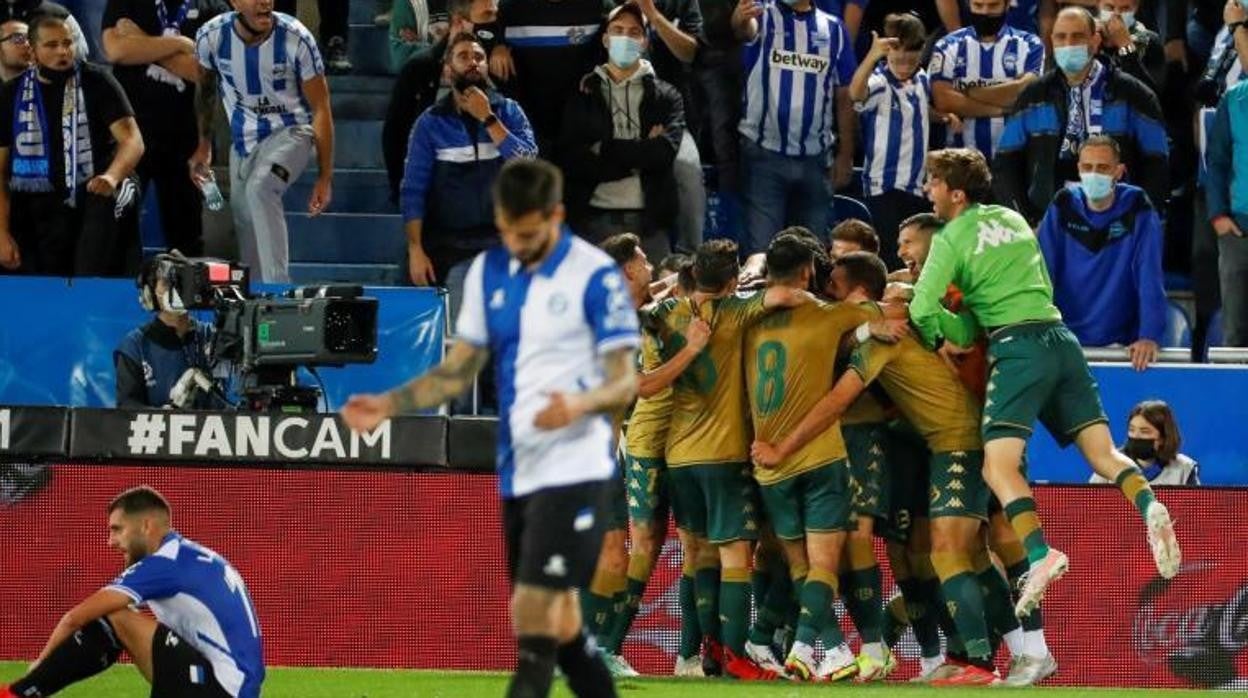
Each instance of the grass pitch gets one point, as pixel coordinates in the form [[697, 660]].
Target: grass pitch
[[125, 682]]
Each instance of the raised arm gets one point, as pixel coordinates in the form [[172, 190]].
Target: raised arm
[[652, 382]]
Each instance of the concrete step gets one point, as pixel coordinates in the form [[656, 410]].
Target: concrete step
[[352, 238], [369, 47], [355, 191], [368, 274], [357, 144], [358, 105], [379, 84]]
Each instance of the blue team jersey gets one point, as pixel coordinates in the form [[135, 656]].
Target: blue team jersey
[[894, 118], [960, 58], [793, 68], [198, 595], [262, 85], [547, 330]]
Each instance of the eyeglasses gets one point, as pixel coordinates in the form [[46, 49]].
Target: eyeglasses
[[18, 38]]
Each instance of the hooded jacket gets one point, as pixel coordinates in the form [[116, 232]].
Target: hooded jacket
[[589, 121]]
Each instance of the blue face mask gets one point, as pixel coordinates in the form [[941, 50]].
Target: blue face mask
[[1071, 59], [1096, 186], [623, 51]]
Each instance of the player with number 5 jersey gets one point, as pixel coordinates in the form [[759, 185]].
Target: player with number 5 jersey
[[204, 641]]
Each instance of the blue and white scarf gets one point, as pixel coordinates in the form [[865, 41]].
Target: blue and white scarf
[[32, 163], [1085, 104]]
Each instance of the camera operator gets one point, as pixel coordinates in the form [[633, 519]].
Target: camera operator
[[165, 362]]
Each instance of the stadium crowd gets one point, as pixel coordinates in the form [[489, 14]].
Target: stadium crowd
[[1039, 161]]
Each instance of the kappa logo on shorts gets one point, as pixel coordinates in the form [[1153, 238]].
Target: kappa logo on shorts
[[171, 640], [556, 566], [584, 520]]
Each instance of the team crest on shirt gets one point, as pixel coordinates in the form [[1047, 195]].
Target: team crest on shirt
[[821, 38], [576, 35], [497, 299], [557, 305], [1009, 62]]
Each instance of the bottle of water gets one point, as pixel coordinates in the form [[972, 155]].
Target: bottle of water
[[208, 185]]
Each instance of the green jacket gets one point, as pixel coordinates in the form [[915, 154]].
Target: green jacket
[[992, 256]]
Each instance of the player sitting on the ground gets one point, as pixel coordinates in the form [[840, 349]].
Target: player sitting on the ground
[[205, 639]]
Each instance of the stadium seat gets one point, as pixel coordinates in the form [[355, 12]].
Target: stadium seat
[[845, 207], [1178, 327]]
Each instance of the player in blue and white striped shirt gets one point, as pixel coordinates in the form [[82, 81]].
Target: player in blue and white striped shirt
[[978, 72], [557, 317], [892, 96], [799, 62], [272, 80], [205, 639]]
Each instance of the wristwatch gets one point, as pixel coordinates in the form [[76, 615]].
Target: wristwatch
[[489, 121]]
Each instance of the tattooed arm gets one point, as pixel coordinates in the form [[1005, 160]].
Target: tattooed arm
[[447, 380]]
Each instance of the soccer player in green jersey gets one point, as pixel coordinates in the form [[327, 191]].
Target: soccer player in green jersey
[[714, 497], [1037, 368]]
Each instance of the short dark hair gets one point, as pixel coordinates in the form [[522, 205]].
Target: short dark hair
[[787, 255], [139, 500], [926, 222], [44, 19], [459, 39], [1101, 140], [622, 247], [525, 186], [963, 169], [907, 28], [867, 270], [681, 265], [858, 232], [715, 264]]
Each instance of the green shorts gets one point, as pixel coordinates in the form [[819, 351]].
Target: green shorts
[[717, 501], [617, 503], [817, 501], [1037, 371], [867, 445], [958, 487], [908, 465], [647, 489]]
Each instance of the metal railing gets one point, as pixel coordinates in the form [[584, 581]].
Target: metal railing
[[1167, 355]]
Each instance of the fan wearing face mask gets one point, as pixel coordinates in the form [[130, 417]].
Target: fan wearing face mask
[[1153, 442], [1129, 45], [152, 359], [621, 131], [1102, 242], [1082, 97]]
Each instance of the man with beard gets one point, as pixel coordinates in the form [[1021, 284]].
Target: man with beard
[[204, 641], [67, 142], [456, 151], [277, 117]]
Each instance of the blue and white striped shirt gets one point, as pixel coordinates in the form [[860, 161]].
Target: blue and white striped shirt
[[198, 595], [547, 329], [895, 129], [262, 85], [793, 68], [962, 59]]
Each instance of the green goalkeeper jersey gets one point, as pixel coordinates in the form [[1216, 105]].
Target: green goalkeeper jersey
[[991, 254]]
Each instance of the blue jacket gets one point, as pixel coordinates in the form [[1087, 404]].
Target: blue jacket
[[1226, 183], [449, 174], [1027, 171], [1106, 266], [150, 360]]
